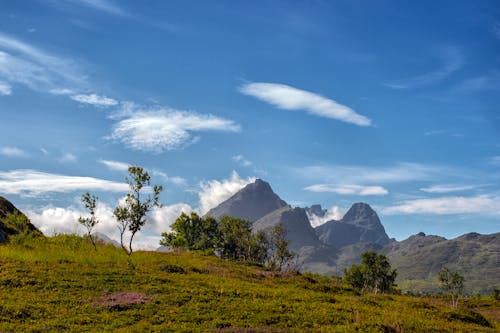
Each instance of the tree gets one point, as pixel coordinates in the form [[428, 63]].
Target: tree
[[131, 215], [374, 274], [235, 237], [230, 238], [192, 232], [89, 223], [451, 283], [282, 253]]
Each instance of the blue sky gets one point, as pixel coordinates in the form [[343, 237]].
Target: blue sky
[[332, 102]]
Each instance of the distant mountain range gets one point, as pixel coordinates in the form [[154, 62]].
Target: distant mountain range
[[334, 245]]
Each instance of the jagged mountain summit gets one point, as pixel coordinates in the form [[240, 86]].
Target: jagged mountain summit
[[251, 203], [360, 224]]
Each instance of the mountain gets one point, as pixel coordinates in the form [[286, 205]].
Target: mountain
[[252, 202], [12, 226], [295, 221], [359, 225], [316, 210], [420, 257]]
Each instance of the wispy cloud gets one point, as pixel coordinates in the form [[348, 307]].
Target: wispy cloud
[[24, 64], [174, 180], [400, 172], [95, 100], [290, 98], [68, 158], [103, 5], [32, 182], [241, 160], [348, 189], [214, 192], [13, 152], [447, 188], [157, 130], [115, 165], [5, 89], [482, 205], [488, 81], [452, 61]]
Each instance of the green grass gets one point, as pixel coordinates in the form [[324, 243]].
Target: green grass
[[53, 284]]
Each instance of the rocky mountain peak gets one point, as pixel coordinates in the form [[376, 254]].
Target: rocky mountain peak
[[315, 210], [360, 213], [252, 202]]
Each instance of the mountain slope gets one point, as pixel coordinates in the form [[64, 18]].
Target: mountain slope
[[13, 221], [252, 202], [313, 255], [419, 258]]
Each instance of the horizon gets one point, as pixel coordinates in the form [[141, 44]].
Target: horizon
[[331, 104]]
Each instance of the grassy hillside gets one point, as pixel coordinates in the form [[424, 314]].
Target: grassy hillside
[[62, 284]]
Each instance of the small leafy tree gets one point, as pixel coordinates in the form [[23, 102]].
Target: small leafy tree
[[451, 283], [192, 232], [374, 274], [89, 223], [235, 236], [132, 214], [282, 253]]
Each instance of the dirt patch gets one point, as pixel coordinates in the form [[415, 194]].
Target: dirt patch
[[122, 300]]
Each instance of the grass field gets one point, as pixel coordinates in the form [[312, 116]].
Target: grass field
[[61, 284]]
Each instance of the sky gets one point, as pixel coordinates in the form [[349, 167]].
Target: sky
[[332, 102]]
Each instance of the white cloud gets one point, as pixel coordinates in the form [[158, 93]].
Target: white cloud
[[21, 63], [177, 180], [241, 160], [166, 129], [453, 61], [61, 91], [481, 205], [44, 151], [94, 99], [68, 158], [115, 165], [214, 192], [164, 216], [334, 213], [13, 152], [51, 220], [5, 89], [290, 98], [32, 182], [400, 172], [348, 189], [447, 188]]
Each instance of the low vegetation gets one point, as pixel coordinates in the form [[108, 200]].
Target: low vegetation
[[51, 284]]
